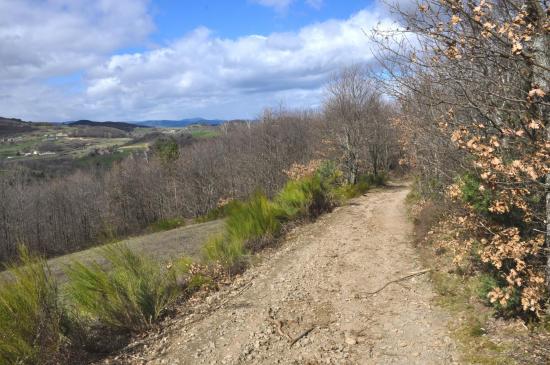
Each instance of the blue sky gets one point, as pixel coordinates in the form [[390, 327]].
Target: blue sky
[[240, 18], [170, 59]]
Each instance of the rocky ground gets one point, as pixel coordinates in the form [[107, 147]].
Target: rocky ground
[[311, 301]]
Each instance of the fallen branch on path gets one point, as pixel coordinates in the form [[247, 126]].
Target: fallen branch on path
[[303, 334], [279, 327], [413, 274]]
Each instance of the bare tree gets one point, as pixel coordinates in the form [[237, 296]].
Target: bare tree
[[360, 120]]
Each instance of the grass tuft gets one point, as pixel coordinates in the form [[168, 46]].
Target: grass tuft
[[129, 296], [218, 213], [31, 316], [231, 254], [253, 222], [309, 197]]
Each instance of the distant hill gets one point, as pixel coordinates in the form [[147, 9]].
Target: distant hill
[[123, 126], [10, 126], [179, 123]]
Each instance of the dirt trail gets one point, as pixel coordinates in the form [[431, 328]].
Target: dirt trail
[[317, 281]]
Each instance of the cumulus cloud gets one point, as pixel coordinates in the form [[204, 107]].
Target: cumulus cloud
[[283, 5], [41, 39], [202, 69], [276, 4], [200, 73], [316, 4]]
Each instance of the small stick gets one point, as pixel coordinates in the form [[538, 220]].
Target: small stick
[[398, 280], [303, 334]]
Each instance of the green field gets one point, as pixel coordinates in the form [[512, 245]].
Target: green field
[[56, 142]]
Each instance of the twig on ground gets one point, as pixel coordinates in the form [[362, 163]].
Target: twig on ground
[[279, 327], [303, 334], [417, 273]]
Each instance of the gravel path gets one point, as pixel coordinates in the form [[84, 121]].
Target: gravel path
[[315, 286]]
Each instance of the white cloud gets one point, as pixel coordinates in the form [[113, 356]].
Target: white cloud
[[41, 39], [202, 69], [283, 5], [316, 4], [197, 74], [279, 5]]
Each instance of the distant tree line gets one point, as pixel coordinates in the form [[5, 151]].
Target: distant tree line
[[187, 180]]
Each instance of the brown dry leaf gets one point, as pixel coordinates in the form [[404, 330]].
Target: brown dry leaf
[[517, 48], [534, 124], [496, 161], [536, 92], [489, 26]]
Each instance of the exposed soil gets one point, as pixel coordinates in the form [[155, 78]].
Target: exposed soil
[[313, 291]]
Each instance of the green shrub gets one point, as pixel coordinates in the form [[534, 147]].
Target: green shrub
[[304, 197], [373, 180], [248, 227], [349, 191], [293, 200], [217, 213], [130, 295], [470, 193], [486, 283], [231, 254], [167, 224], [329, 174], [199, 281], [252, 222], [346, 191], [31, 316]]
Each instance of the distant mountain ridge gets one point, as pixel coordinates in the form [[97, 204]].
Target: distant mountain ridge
[[12, 126], [180, 123], [163, 123], [123, 126]]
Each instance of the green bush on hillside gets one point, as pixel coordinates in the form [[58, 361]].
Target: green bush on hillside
[[249, 226], [31, 316], [219, 212], [364, 183], [304, 197], [130, 296], [231, 254], [252, 222], [255, 222]]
